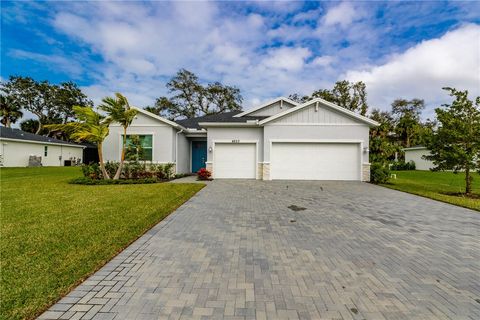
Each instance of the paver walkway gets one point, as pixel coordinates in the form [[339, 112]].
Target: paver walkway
[[341, 251]]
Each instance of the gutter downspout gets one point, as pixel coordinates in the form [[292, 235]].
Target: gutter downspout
[[176, 150]]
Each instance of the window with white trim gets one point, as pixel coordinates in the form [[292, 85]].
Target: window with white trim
[[139, 147]]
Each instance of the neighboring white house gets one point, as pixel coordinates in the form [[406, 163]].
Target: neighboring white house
[[415, 154], [283, 140], [16, 147]]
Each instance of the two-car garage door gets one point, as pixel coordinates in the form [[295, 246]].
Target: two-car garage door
[[315, 161], [290, 161]]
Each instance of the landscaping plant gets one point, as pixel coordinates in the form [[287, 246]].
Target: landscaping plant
[[379, 173], [119, 111], [91, 127], [402, 165], [131, 171], [204, 174], [456, 144]]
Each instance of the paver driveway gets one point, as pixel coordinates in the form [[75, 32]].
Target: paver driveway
[[236, 251]]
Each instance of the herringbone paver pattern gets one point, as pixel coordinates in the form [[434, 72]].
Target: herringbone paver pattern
[[236, 251]]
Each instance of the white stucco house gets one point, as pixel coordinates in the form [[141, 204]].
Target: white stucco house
[[281, 139], [17, 146], [415, 154]]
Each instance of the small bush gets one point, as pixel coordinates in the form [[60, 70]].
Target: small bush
[[401, 165], [131, 170], [90, 181], [204, 174], [135, 170], [379, 173], [91, 171], [111, 167], [163, 171]]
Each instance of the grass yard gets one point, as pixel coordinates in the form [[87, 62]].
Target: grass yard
[[437, 185], [54, 234]]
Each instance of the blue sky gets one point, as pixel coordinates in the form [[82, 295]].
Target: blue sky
[[267, 49]]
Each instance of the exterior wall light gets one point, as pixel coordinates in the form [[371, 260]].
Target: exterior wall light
[[210, 149]]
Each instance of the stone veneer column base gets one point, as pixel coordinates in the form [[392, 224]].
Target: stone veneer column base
[[366, 172], [209, 167], [266, 171], [259, 171]]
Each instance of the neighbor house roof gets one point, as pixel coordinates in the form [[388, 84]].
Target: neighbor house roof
[[17, 134], [226, 117]]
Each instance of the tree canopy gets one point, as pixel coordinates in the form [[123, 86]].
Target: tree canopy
[[455, 145], [10, 110], [192, 99], [51, 103], [346, 94]]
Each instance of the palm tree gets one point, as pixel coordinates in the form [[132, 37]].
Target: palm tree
[[118, 110], [91, 126], [9, 111]]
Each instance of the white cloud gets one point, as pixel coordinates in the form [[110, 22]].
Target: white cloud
[[343, 14], [421, 71], [323, 61], [144, 48], [289, 59]]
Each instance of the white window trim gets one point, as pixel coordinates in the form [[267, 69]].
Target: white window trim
[[120, 143]]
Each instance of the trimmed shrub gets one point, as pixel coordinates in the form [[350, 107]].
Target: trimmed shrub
[[204, 174], [132, 170], [379, 173], [163, 171], [92, 171], [111, 167], [401, 165]]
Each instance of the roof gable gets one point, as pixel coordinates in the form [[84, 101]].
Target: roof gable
[[270, 108], [154, 116], [319, 111]]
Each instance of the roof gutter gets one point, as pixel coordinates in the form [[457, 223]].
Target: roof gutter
[[43, 142], [247, 124]]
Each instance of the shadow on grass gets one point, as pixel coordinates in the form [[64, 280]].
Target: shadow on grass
[[473, 196]]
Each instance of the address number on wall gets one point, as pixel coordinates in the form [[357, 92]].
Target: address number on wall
[[235, 141]]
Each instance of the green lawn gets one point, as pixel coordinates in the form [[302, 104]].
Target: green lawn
[[436, 185], [53, 234]]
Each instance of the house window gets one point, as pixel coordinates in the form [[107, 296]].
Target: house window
[[45, 151], [139, 147]]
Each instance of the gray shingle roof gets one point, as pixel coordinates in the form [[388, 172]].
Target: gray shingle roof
[[17, 134], [221, 117]]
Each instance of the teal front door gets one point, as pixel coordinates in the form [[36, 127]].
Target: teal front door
[[199, 155]]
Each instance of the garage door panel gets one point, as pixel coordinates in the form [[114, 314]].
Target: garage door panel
[[234, 161], [315, 161]]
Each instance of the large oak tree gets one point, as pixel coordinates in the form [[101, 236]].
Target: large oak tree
[[189, 98], [50, 103]]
